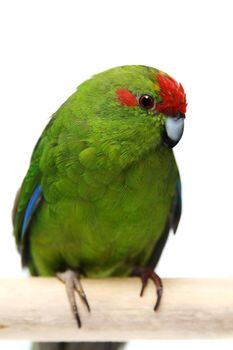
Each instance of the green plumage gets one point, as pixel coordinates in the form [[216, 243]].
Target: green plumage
[[108, 181]]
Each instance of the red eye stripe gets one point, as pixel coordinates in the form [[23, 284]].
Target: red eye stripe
[[173, 95], [126, 98]]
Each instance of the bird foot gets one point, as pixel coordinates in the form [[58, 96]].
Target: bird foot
[[148, 273], [71, 279]]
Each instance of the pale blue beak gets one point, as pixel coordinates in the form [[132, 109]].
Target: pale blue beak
[[174, 127]]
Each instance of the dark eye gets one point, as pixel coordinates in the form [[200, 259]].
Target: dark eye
[[146, 101]]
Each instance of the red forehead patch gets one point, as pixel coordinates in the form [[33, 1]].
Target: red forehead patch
[[172, 94], [126, 98]]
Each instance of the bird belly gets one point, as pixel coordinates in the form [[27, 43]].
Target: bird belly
[[108, 236]]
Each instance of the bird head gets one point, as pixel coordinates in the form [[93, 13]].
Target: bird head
[[137, 108], [168, 99]]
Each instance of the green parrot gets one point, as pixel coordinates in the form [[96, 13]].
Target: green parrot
[[103, 191]]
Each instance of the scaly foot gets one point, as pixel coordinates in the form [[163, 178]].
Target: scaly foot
[[145, 274], [72, 284]]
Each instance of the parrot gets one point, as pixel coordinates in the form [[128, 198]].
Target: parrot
[[103, 190]]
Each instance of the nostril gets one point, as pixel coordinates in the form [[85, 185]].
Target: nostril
[[179, 115]]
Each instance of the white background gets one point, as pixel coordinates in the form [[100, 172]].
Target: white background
[[49, 47]]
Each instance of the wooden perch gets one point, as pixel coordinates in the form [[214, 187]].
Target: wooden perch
[[38, 309]]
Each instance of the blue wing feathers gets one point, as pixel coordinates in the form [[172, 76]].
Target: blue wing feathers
[[31, 207]]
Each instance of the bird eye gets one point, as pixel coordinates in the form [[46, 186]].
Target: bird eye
[[146, 101]]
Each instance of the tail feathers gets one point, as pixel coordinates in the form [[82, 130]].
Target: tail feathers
[[78, 346]]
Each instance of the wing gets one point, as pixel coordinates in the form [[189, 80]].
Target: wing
[[28, 198], [171, 224]]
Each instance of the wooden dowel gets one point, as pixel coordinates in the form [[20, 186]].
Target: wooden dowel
[[38, 309]]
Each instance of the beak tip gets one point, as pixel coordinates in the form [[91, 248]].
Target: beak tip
[[169, 142]]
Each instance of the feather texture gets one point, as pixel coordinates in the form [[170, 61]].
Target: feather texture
[[30, 209], [172, 94]]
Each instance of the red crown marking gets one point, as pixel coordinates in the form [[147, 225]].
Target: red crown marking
[[172, 94]]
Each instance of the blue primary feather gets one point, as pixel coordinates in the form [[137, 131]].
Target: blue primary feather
[[31, 207]]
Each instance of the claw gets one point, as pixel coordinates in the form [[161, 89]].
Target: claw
[[148, 273], [144, 284], [72, 284], [81, 293]]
